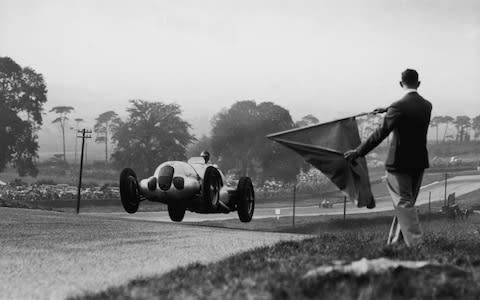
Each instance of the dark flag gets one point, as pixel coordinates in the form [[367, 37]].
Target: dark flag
[[323, 145]]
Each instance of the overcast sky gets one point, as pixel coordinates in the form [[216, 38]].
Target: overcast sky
[[327, 58]]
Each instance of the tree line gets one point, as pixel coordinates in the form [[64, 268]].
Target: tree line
[[464, 125], [153, 132], [460, 128]]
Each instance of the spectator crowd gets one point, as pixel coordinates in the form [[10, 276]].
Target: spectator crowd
[[48, 192]]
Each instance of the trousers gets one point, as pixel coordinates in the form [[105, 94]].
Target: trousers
[[404, 188]]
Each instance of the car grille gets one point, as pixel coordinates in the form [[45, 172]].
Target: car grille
[[165, 177]]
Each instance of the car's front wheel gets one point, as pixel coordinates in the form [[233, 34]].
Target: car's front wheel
[[129, 190], [245, 199], [212, 183], [176, 211]]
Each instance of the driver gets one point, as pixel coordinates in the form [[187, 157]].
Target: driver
[[206, 156]]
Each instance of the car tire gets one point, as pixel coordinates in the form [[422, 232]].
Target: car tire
[[245, 199], [129, 190], [212, 183], [176, 211]]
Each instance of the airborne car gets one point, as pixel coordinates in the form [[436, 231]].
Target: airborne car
[[194, 185]]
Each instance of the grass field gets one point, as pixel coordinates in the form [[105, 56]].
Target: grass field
[[277, 272]]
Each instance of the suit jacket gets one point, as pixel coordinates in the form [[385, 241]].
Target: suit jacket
[[409, 119]]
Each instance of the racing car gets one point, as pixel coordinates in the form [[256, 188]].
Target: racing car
[[195, 185]]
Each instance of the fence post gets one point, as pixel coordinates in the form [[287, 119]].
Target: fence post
[[294, 198], [429, 204], [344, 208], [445, 192]]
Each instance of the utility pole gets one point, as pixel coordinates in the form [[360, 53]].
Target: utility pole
[[85, 134], [77, 120]]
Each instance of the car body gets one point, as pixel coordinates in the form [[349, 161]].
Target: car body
[[326, 204], [194, 185]]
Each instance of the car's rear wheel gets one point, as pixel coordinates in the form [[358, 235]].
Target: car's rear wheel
[[245, 199], [212, 183], [176, 211], [129, 190]]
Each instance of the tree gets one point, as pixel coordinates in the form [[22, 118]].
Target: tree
[[204, 143], [103, 126], [307, 120], [22, 95], [367, 124], [462, 123], [476, 126], [361, 124], [62, 120], [153, 132], [437, 120], [34, 95], [238, 140], [446, 120]]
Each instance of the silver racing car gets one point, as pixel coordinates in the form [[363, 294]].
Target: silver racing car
[[195, 185]]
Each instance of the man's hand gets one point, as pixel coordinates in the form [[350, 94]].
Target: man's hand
[[380, 110], [351, 155]]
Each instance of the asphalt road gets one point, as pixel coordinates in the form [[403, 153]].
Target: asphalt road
[[51, 255], [459, 185]]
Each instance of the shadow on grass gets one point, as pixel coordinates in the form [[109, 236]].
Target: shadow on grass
[[429, 282]]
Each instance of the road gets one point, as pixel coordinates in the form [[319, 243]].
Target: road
[[459, 185], [52, 255]]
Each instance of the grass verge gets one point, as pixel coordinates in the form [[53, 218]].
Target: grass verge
[[319, 224]]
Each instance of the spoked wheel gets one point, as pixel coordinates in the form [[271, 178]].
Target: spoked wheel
[[176, 210], [212, 183], [129, 190], [245, 199]]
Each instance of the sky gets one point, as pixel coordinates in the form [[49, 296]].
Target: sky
[[326, 58]]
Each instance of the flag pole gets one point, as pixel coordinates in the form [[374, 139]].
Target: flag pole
[[272, 135], [363, 114]]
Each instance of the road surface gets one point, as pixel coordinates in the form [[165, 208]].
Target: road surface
[[52, 255], [459, 185]]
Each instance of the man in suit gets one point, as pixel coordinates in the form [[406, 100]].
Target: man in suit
[[407, 158]]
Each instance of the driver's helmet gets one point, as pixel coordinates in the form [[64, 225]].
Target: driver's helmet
[[205, 155]]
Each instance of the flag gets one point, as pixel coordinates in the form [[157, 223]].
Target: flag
[[323, 146]]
